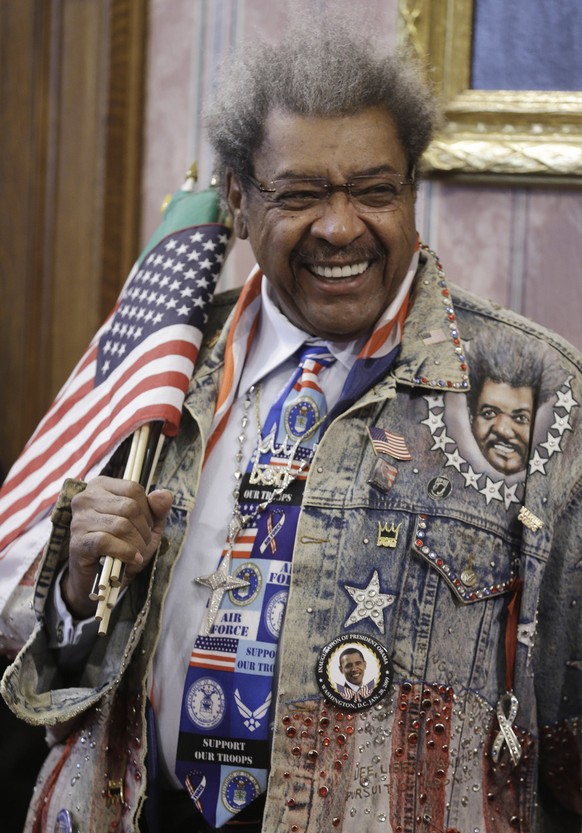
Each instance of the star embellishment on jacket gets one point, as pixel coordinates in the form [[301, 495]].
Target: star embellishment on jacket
[[370, 603]]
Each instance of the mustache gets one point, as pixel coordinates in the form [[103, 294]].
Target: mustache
[[325, 252]]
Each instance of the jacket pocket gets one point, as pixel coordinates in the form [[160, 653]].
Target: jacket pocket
[[453, 611], [476, 564]]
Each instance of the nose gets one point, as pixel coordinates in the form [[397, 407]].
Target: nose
[[337, 221], [504, 426]]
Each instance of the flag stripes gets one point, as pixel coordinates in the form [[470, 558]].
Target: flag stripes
[[215, 653], [136, 370]]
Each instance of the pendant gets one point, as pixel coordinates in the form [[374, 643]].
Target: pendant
[[220, 582], [265, 474]]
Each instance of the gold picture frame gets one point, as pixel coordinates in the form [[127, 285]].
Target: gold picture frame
[[504, 135]]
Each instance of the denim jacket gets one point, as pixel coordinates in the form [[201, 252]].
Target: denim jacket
[[441, 545]]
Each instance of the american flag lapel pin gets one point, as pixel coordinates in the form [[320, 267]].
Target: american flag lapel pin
[[386, 444]]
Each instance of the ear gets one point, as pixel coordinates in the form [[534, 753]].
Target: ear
[[236, 199]]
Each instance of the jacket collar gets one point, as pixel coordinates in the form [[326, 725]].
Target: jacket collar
[[432, 354]]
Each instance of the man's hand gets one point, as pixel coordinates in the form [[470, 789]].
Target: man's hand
[[111, 517]]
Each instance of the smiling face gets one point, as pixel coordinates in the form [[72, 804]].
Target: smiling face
[[502, 424], [352, 666], [334, 270]]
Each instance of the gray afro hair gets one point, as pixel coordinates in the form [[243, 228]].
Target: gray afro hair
[[324, 68], [514, 359]]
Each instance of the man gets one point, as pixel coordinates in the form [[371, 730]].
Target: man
[[353, 666], [507, 381], [502, 423], [474, 612]]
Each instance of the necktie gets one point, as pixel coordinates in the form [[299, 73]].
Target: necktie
[[223, 744]]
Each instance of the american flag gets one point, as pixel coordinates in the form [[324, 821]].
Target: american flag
[[136, 370], [386, 442], [215, 652]]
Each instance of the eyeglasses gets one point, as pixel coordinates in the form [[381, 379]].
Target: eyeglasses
[[366, 193]]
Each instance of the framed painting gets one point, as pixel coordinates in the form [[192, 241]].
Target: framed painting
[[510, 78]]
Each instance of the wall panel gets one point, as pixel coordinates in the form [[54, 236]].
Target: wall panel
[[70, 169], [24, 76], [552, 269], [519, 246]]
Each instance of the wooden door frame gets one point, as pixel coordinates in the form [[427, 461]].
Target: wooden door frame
[[71, 165]]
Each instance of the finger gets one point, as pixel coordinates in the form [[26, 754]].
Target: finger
[[88, 545], [160, 503]]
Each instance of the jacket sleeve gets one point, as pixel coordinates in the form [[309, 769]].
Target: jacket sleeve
[[35, 687], [558, 662]]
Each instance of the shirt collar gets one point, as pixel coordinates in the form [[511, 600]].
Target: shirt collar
[[277, 340]]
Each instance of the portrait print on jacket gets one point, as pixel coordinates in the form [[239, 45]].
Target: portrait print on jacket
[[515, 420]]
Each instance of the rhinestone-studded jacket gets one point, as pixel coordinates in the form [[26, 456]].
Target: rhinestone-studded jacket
[[461, 556]]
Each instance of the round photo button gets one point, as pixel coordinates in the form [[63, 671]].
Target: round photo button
[[354, 671]]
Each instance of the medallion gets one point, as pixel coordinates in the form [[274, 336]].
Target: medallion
[[300, 417], [206, 703], [439, 487], [274, 611], [247, 593]]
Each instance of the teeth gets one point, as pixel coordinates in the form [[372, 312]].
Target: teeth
[[340, 271]]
